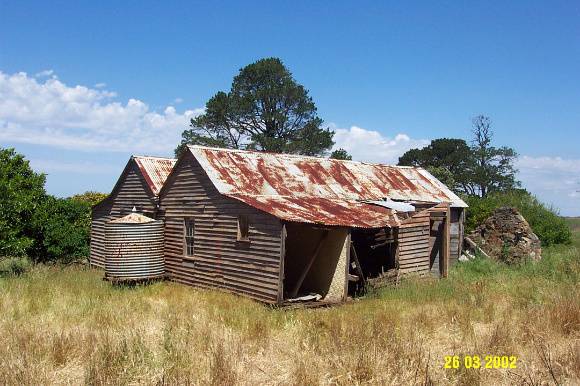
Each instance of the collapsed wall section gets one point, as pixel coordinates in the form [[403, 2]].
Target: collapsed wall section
[[315, 262]]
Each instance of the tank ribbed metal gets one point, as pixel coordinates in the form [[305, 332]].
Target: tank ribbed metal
[[134, 251]]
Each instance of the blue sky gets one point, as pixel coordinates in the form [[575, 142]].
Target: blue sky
[[85, 84]]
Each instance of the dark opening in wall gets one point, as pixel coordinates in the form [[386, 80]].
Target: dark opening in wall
[[375, 250], [315, 262]]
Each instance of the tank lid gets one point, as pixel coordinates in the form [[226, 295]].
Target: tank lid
[[133, 218]]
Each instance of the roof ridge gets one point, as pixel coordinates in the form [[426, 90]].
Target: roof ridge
[[298, 195], [153, 156], [298, 156]]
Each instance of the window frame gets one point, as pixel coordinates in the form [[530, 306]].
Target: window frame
[[243, 222], [188, 239]]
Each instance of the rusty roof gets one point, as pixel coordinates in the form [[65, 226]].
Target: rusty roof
[[318, 210], [155, 170], [319, 190]]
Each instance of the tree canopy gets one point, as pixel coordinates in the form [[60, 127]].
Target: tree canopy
[[38, 225], [493, 169], [265, 109], [447, 159], [476, 169], [341, 154], [61, 229], [90, 197], [21, 192]]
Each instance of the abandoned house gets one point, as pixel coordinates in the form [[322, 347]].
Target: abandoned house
[[281, 228], [138, 187]]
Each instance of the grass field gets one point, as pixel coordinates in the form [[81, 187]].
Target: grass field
[[574, 223], [65, 325]]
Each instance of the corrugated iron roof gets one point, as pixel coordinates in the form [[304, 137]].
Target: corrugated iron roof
[[318, 210], [318, 190], [155, 170]]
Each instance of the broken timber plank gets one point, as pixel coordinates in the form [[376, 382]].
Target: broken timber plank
[[473, 245], [357, 263]]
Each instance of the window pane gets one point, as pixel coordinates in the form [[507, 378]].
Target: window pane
[[243, 228], [189, 236]]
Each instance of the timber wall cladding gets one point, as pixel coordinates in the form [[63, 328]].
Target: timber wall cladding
[[97, 247], [132, 191], [413, 244], [435, 244], [456, 238], [251, 268]]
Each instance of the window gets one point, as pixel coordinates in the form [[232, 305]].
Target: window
[[188, 225], [243, 228]]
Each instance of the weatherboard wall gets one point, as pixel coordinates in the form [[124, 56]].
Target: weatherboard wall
[[100, 215], [457, 227], [133, 192], [251, 268], [413, 255]]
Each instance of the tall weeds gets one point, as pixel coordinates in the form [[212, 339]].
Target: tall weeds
[[67, 326]]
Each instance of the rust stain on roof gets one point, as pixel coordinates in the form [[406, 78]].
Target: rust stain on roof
[[323, 211], [318, 190], [155, 170]]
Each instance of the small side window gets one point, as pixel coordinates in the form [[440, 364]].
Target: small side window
[[188, 233], [243, 228]]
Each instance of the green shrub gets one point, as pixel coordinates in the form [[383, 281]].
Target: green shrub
[[21, 191], [544, 220], [62, 229], [38, 225], [14, 266], [91, 197]]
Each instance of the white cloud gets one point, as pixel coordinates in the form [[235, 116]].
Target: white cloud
[[54, 114], [50, 113], [45, 74], [553, 163], [178, 101], [82, 167], [372, 146], [554, 180]]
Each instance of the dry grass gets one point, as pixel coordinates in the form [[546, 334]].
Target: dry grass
[[67, 326]]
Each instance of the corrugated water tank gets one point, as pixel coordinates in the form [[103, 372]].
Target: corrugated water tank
[[134, 248]]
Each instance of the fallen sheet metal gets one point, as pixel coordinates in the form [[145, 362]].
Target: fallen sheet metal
[[305, 298], [395, 205]]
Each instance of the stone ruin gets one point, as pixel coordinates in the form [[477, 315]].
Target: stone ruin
[[507, 236]]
